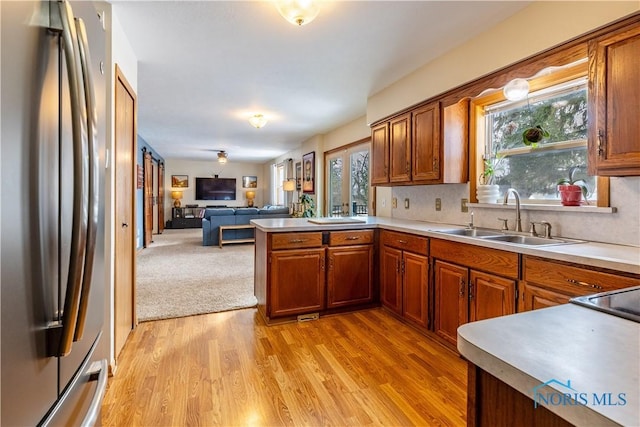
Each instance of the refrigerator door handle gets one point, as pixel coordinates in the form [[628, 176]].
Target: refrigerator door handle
[[60, 335], [100, 369], [92, 214]]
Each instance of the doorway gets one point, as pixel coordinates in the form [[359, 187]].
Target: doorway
[[348, 185]]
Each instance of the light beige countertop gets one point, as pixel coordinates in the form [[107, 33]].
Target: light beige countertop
[[557, 345], [603, 255]]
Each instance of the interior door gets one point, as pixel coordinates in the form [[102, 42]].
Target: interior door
[[148, 199], [125, 147]]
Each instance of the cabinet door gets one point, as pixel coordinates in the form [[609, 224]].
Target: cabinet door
[[614, 102], [297, 283], [426, 143], [533, 297], [391, 278], [400, 149], [490, 296], [349, 277], [380, 154], [415, 280], [451, 299]]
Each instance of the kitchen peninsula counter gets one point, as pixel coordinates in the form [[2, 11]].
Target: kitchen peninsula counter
[[595, 354], [602, 255]]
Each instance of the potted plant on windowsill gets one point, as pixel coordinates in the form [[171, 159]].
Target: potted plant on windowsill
[[307, 207], [487, 190], [572, 191]]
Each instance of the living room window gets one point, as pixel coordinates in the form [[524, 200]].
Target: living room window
[[558, 105], [278, 176]]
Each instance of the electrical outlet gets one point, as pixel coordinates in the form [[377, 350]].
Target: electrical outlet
[[384, 203], [394, 202], [463, 205], [406, 203], [438, 204]]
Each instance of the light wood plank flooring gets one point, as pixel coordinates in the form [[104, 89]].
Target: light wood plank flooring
[[363, 368]]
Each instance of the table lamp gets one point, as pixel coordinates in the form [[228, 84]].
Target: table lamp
[[176, 196], [250, 196]]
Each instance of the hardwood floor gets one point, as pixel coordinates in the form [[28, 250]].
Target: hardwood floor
[[362, 368]]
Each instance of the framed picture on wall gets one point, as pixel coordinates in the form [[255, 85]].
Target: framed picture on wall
[[249, 182], [299, 176], [309, 173], [180, 181]]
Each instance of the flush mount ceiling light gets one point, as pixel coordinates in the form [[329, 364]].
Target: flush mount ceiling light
[[516, 89], [258, 121], [298, 12], [222, 157]]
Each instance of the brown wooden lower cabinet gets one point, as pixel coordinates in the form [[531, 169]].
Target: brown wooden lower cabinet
[[349, 276], [533, 297], [314, 272], [299, 274], [404, 276], [547, 283], [493, 403], [465, 291], [391, 279]]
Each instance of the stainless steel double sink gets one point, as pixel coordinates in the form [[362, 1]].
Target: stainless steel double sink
[[520, 239]]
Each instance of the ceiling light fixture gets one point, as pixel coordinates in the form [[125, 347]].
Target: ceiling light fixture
[[516, 89], [222, 157], [298, 12], [258, 121]]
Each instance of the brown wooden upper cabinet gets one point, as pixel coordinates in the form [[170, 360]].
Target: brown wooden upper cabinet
[[380, 154], [427, 145], [400, 149], [614, 103]]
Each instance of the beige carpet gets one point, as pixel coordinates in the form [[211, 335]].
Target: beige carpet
[[177, 276]]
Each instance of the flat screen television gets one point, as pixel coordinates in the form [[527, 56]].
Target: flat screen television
[[215, 188]]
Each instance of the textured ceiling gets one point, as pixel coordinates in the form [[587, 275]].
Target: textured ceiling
[[205, 66]]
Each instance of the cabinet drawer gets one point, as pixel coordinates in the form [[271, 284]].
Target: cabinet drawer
[[573, 280], [353, 237], [406, 241], [295, 240], [495, 261]]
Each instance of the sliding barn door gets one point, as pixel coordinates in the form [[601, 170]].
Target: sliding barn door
[[160, 198], [148, 199]]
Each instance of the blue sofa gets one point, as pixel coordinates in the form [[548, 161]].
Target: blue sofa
[[215, 217]]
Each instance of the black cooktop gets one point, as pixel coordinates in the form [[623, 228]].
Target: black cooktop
[[622, 303]]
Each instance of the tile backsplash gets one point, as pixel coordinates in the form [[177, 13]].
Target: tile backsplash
[[622, 227]]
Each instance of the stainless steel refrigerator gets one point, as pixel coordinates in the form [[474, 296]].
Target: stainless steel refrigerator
[[53, 363]]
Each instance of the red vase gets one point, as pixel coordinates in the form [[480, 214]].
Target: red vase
[[570, 195]]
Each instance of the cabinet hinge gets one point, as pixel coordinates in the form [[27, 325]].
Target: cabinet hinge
[[601, 143]]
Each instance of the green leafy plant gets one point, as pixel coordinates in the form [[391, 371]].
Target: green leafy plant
[[570, 180], [308, 206], [532, 135], [491, 166]]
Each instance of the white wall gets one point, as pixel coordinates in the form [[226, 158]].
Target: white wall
[[208, 169], [352, 131], [119, 52], [506, 43]]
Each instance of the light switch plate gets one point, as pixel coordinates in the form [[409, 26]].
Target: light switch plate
[[438, 204], [463, 205], [406, 203]]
